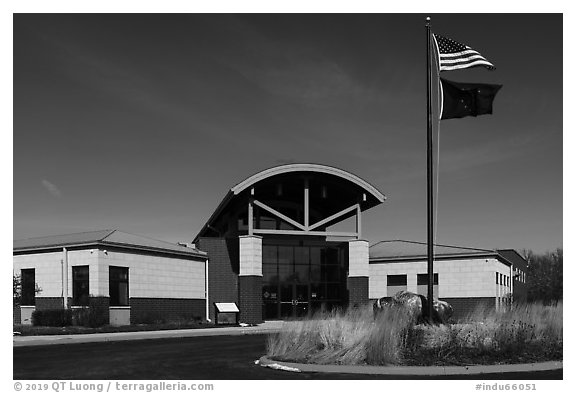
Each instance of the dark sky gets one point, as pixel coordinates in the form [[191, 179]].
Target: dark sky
[[143, 122]]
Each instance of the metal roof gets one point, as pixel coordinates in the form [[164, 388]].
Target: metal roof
[[397, 250], [515, 258], [110, 237]]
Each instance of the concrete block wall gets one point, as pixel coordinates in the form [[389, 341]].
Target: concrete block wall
[[358, 258], [88, 257], [48, 271], [149, 275], [456, 278], [152, 276], [502, 291], [250, 255]]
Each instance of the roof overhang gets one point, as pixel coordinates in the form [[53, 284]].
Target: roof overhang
[[198, 254], [314, 168], [423, 258], [375, 196]]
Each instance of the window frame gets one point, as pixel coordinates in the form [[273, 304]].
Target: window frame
[[425, 276], [25, 287], [396, 276], [116, 281], [80, 299]]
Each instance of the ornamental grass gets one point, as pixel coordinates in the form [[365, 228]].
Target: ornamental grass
[[522, 333]]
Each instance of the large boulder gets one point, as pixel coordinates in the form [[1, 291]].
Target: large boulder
[[442, 310], [416, 307]]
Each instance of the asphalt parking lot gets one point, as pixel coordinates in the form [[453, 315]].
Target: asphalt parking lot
[[186, 358]]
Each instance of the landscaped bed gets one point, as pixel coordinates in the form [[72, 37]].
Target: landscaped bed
[[521, 334]]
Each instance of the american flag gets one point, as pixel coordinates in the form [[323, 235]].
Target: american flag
[[455, 56]]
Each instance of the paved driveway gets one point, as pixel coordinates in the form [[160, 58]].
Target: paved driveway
[[185, 358]]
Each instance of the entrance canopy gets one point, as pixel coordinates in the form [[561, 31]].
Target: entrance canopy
[[293, 199]]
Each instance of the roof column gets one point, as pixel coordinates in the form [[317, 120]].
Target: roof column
[[306, 203], [250, 279], [251, 212], [358, 272]]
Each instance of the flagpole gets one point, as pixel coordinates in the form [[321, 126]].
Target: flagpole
[[430, 172]]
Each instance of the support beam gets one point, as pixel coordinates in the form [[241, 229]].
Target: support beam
[[306, 204], [279, 215], [334, 216], [303, 232], [358, 221], [251, 213]]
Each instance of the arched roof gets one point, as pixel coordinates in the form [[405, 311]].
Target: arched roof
[[317, 168], [373, 196]]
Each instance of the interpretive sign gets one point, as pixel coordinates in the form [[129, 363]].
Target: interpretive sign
[[226, 313]]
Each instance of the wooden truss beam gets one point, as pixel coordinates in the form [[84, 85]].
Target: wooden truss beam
[[279, 215], [309, 233], [334, 216]]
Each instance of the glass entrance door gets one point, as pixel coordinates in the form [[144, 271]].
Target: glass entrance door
[[301, 300], [300, 278], [294, 300]]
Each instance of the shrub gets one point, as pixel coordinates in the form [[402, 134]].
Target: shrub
[[57, 317], [96, 315], [149, 318]]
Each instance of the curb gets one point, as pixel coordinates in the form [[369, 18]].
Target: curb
[[409, 370], [25, 341]]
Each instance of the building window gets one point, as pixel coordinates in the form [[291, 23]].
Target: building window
[[395, 280], [396, 283], [118, 286], [80, 285], [497, 278], [422, 279], [422, 284], [28, 281]]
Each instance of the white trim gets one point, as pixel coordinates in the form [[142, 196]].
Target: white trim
[[237, 189]]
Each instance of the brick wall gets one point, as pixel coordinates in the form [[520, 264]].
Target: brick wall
[[16, 315], [49, 303], [148, 310], [102, 303], [223, 269], [357, 290], [463, 306], [250, 294]]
